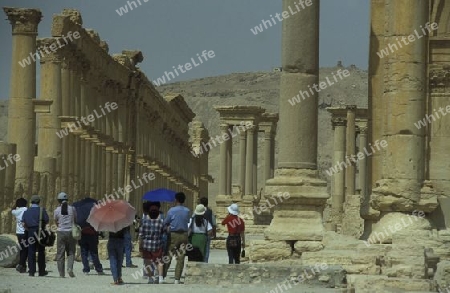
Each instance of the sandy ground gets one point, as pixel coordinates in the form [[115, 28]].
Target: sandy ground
[[18, 283], [22, 283]]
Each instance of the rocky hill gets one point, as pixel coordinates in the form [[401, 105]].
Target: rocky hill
[[259, 89]]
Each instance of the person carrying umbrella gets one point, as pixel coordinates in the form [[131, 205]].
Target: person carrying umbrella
[[114, 217], [89, 237]]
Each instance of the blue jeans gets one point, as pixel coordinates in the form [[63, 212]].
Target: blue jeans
[[89, 251], [208, 247], [128, 247], [115, 252]]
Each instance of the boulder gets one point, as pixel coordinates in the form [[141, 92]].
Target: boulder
[[442, 276], [9, 251]]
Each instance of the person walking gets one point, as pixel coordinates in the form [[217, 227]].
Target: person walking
[[236, 236], [116, 245], [34, 218], [177, 220], [128, 247], [211, 220], [65, 216], [199, 230], [150, 243], [89, 237], [22, 235]]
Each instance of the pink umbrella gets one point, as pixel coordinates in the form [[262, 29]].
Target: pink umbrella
[[113, 216]]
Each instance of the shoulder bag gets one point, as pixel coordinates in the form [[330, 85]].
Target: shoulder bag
[[76, 229], [46, 237]]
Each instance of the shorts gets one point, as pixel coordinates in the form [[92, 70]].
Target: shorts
[[152, 255]]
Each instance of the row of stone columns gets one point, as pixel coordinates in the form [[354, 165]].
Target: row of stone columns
[[234, 123], [348, 123], [114, 149]]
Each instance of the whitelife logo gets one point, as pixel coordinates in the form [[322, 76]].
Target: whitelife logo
[[39, 54], [411, 38], [90, 118], [184, 68], [281, 16]]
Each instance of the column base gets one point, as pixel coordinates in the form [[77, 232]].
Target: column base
[[299, 197], [403, 195]]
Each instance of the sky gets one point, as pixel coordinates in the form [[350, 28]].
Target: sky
[[171, 32]]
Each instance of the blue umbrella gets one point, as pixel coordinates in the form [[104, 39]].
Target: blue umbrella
[[83, 208], [161, 194]]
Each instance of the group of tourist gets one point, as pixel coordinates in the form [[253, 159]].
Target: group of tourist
[[160, 238]]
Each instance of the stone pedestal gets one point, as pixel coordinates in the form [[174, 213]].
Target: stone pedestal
[[298, 217]]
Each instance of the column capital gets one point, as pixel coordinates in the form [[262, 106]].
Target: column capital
[[362, 130], [338, 121], [50, 45], [224, 127], [23, 20]]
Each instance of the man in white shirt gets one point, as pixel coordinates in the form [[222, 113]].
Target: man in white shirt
[[17, 210]]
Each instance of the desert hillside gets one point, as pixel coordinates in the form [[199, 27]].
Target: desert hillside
[[260, 89]]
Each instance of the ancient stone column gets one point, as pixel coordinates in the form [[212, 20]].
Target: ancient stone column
[[363, 162], [297, 173], [255, 161], [267, 155], [338, 197], [65, 110], [350, 151], [21, 116], [405, 83], [8, 172], [376, 87], [223, 163], [49, 142], [229, 143], [242, 157], [249, 161]]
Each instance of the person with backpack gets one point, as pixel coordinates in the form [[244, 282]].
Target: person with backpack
[[212, 220], [199, 231], [35, 219], [65, 217]]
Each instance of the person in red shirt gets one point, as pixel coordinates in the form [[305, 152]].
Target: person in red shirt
[[236, 235]]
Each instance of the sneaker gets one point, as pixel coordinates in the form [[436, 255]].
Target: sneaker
[[151, 280], [101, 273], [120, 281], [177, 282], [86, 273], [115, 283], [43, 274], [71, 274], [132, 266]]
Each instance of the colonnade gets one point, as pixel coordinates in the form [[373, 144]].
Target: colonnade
[[349, 126], [244, 123], [102, 126]]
